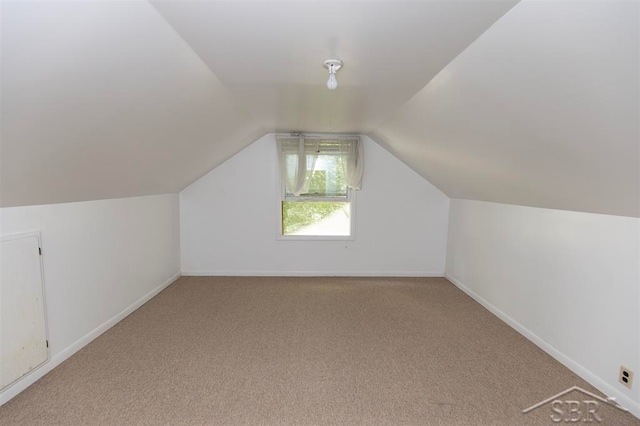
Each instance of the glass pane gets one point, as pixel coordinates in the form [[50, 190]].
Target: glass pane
[[316, 218], [327, 178]]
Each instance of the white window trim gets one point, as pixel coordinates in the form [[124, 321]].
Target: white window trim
[[351, 199]]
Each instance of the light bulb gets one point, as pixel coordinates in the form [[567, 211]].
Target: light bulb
[[332, 83]]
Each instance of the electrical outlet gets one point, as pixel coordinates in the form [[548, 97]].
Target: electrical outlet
[[626, 376]]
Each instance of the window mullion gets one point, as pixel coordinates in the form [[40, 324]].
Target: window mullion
[[293, 198]]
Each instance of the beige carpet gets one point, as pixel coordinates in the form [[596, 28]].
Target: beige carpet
[[304, 351]]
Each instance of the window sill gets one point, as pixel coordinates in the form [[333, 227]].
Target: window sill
[[316, 238]]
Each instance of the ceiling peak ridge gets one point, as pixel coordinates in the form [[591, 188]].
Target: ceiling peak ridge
[[228, 94], [393, 115]]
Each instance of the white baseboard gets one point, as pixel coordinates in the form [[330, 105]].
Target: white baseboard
[[572, 365], [313, 273], [57, 359]]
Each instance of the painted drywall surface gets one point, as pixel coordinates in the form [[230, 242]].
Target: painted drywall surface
[[269, 55], [99, 257], [102, 99], [569, 278], [228, 222], [541, 110]]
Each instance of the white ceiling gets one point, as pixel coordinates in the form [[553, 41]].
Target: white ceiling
[[269, 54], [533, 103], [542, 110], [105, 100]]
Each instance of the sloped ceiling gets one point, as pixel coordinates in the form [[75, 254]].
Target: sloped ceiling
[[542, 110], [532, 103], [105, 100], [269, 54]]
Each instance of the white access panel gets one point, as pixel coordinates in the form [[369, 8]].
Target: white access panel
[[23, 332]]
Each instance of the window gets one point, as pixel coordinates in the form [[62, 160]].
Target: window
[[318, 176]]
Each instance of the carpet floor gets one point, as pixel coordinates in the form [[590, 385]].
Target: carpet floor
[[305, 351]]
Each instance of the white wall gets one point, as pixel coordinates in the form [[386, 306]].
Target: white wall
[[568, 281], [228, 222], [102, 259]]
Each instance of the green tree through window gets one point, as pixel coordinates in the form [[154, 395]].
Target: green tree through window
[[326, 182]]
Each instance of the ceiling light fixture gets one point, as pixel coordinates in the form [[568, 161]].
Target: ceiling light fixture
[[333, 65]]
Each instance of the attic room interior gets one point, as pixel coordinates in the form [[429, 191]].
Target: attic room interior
[[320, 212]]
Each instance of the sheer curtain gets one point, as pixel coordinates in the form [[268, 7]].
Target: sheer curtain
[[353, 162], [297, 158]]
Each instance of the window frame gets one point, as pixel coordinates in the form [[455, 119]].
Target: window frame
[[282, 197]]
